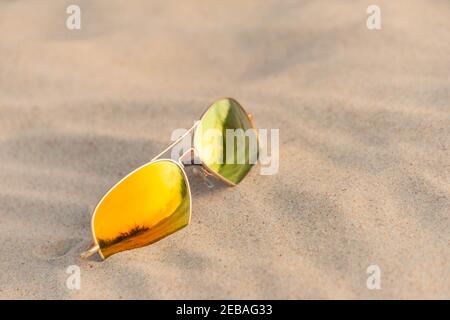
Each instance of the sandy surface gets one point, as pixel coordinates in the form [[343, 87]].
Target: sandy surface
[[364, 143]]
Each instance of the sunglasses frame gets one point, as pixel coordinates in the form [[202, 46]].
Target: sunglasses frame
[[95, 247]]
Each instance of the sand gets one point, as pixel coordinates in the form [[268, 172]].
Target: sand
[[364, 119]]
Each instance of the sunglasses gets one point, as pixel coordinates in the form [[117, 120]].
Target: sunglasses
[[154, 200]]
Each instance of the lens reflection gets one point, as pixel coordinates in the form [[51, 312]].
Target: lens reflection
[[146, 206], [231, 158]]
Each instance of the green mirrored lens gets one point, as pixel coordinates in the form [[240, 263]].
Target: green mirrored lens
[[226, 140]]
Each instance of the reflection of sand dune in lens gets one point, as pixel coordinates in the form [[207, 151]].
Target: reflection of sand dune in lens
[[139, 237], [134, 232]]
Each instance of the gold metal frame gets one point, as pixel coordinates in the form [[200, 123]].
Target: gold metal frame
[[95, 247]]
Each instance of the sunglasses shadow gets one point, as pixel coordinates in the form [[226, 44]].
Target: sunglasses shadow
[[201, 185]]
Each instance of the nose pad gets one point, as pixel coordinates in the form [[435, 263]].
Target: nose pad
[[204, 174], [94, 248]]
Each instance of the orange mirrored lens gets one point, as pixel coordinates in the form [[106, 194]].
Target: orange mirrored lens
[[146, 206]]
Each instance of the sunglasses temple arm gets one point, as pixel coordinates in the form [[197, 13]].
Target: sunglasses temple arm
[[92, 250], [176, 141]]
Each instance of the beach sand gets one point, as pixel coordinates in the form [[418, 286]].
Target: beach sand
[[364, 119]]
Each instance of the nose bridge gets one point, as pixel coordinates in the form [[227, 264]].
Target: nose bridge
[[187, 152]]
